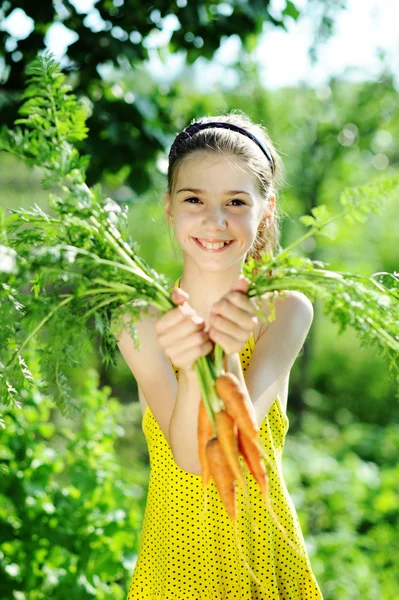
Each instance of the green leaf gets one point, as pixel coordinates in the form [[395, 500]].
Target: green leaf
[[291, 10], [364, 199], [319, 220]]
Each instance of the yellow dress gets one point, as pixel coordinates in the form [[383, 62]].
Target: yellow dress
[[183, 558]]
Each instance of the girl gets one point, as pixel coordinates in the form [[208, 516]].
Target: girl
[[221, 201]]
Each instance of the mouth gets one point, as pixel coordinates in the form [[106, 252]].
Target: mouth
[[213, 250]]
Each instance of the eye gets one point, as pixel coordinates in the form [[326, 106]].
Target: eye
[[194, 198]]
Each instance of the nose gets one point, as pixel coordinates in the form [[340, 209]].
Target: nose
[[216, 220]]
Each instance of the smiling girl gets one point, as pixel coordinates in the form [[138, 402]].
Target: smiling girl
[[221, 202]]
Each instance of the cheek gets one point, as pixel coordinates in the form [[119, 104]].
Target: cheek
[[246, 225], [185, 226]]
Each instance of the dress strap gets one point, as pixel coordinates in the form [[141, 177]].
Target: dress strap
[[175, 285]]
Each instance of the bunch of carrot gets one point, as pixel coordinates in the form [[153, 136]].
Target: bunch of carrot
[[236, 429], [235, 433]]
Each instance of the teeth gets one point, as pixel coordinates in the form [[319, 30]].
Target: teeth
[[213, 246]]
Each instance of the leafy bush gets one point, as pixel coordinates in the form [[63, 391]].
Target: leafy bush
[[69, 513]]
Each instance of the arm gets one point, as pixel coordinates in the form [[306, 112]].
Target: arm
[[277, 349], [160, 390], [174, 404], [183, 429]]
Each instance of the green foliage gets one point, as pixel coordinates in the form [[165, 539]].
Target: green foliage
[[122, 131], [49, 107], [369, 305], [368, 198], [84, 244], [54, 121], [69, 513], [319, 221], [343, 480]]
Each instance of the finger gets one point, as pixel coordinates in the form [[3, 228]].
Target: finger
[[242, 301], [242, 284], [190, 355], [225, 340], [176, 335], [179, 296], [223, 327], [172, 317], [233, 313], [195, 347]]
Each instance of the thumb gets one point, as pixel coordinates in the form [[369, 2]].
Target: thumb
[[241, 284]]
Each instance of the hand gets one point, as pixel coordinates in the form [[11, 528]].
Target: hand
[[233, 318], [181, 333]]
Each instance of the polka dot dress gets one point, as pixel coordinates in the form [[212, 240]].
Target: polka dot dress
[[185, 555]]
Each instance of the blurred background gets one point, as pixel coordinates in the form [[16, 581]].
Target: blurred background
[[323, 78]]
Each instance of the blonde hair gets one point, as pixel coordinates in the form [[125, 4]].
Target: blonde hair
[[234, 143]]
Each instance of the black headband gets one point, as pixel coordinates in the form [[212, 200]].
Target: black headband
[[194, 127]]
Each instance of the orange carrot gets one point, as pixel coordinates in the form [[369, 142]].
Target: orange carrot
[[223, 476], [237, 403], [252, 457], [205, 433], [226, 431]]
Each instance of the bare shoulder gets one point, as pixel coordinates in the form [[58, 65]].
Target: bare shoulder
[[149, 346], [291, 302]]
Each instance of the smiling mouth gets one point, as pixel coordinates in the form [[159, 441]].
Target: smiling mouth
[[213, 250]]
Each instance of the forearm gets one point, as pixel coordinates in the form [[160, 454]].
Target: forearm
[[183, 427]]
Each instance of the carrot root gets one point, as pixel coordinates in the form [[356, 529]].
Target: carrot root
[[237, 433], [226, 431], [223, 476], [249, 450], [268, 503]]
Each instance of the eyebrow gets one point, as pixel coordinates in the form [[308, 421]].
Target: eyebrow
[[197, 191]]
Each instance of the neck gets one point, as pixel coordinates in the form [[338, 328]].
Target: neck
[[207, 289]]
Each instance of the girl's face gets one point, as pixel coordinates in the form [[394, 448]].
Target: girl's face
[[224, 204]]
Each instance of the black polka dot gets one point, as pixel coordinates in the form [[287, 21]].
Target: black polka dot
[[188, 553]]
